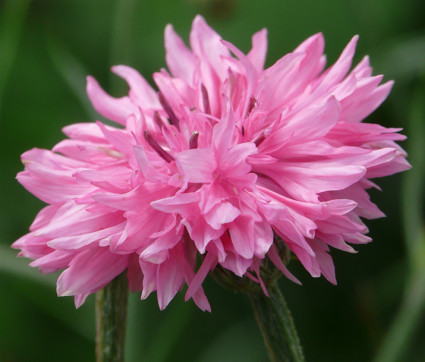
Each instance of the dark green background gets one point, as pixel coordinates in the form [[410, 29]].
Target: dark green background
[[46, 50]]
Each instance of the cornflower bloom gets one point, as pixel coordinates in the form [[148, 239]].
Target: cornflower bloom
[[223, 166]]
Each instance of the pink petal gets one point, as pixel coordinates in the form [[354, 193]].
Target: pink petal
[[220, 214], [340, 68], [180, 60], [242, 236], [50, 186], [122, 141], [206, 44], [197, 165], [237, 264], [32, 246], [170, 276], [208, 264], [73, 219], [325, 178], [139, 229], [199, 297], [84, 132], [309, 124], [44, 217], [54, 261], [115, 109], [234, 161], [223, 132], [175, 203], [324, 260], [263, 238], [367, 105], [257, 54], [80, 241], [274, 257], [135, 200], [141, 93], [90, 271], [158, 251]]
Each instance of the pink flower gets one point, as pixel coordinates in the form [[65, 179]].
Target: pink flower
[[226, 155]]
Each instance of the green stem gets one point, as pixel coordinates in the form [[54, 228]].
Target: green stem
[[276, 325], [111, 313]]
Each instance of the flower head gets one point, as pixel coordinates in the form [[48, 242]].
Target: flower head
[[209, 169]]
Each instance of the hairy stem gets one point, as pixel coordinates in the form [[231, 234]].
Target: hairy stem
[[276, 325], [111, 314]]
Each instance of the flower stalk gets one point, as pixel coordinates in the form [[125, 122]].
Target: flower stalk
[[277, 326], [271, 312], [111, 315]]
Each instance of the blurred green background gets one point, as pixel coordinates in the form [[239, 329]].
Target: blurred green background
[[47, 47]]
